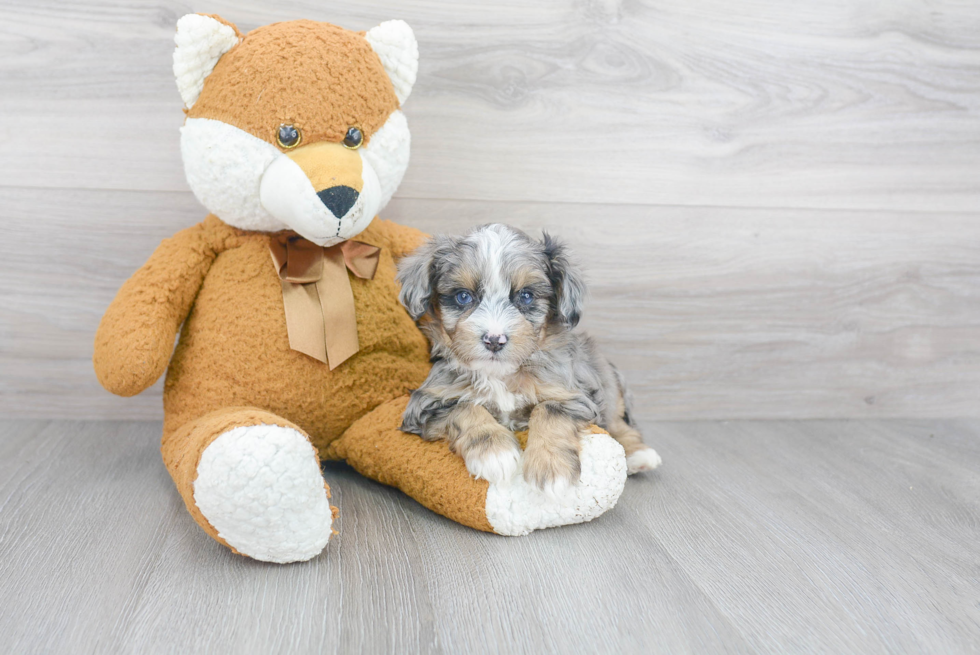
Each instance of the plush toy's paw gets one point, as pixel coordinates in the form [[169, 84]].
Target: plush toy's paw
[[515, 507], [644, 459], [261, 488]]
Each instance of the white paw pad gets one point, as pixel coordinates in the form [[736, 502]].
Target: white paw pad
[[261, 488], [645, 459], [515, 507]]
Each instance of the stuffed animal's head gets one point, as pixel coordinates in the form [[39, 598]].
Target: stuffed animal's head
[[295, 125]]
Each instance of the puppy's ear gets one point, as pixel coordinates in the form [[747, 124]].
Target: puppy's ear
[[418, 274], [567, 282]]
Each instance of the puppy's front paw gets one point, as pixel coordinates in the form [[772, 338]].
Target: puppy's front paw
[[644, 459], [494, 457], [552, 470]]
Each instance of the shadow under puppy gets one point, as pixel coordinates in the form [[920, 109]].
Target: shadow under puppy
[[499, 309]]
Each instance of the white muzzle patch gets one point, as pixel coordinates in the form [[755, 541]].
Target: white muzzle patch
[[252, 185], [286, 193]]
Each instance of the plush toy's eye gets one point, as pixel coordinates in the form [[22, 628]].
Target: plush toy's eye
[[288, 136], [525, 297], [464, 297], [353, 138]]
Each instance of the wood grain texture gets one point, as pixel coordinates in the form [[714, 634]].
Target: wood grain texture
[[710, 312], [867, 104], [779, 206], [755, 536]]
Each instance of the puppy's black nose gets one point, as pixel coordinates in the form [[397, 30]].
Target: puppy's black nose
[[494, 342], [338, 199]]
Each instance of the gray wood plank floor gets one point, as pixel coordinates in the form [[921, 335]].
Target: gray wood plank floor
[[755, 536]]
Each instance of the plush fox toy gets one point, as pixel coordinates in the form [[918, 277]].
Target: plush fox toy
[[293, 346]]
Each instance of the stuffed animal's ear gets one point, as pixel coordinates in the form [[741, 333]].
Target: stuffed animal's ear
[[201, 40], [567, 282], [395, 44]]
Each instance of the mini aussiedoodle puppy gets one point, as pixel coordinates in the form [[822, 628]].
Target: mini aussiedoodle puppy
[[499, 308]]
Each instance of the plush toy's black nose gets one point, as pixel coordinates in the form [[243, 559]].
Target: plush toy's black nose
[[338, 199]]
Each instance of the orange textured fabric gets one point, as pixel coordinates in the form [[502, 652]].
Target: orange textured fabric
[[320, 78], [234, 348], [233, 365], [136, 335], [425, 470]]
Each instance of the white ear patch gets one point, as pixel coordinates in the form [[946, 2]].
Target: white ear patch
[[201, 40], [395, 44]]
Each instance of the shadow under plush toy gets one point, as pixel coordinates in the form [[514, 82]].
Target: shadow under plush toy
[[294, 346]]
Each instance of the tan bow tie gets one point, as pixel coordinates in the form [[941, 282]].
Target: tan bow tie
[[317, 295]]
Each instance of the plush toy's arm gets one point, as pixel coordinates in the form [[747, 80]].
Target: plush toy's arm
[[136, 336], [433, 475]]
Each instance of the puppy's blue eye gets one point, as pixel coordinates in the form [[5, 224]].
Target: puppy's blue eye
[[464, 297], [525, 297]]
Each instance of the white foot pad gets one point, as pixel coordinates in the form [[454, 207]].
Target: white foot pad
[[645, 459], [260, 486], [516, 508]]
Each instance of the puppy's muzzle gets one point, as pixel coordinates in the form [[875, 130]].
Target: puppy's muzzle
[[494, 342]]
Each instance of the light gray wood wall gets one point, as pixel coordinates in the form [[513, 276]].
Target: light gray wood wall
[[778, 204]]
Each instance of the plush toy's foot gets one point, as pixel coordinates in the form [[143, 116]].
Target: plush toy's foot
[[257, 485], [260, 486], [515, 507], [431, 474]]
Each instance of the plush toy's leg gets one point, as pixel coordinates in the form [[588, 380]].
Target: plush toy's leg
[[437, 478], [252, 480]]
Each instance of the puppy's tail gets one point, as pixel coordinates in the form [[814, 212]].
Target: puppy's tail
[[625, 394]]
